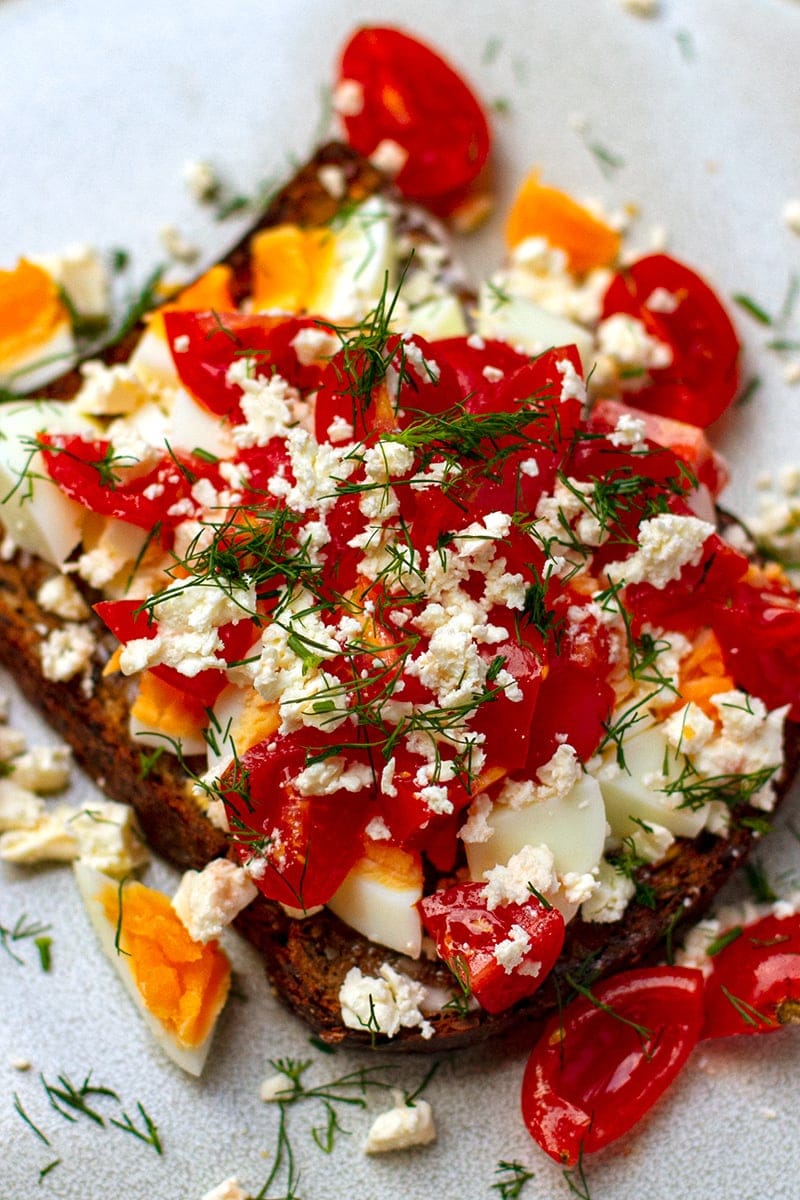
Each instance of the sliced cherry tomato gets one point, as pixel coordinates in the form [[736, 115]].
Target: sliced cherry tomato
[[306, 843], [603, 1061], [372, 397], [687, 442], [217, 340], [506, 953], [703, 377], [89, 472], [758, 627], [754, 986], [127, 620], [412, 97]]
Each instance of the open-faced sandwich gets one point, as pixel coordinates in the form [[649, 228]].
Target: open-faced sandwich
[[412, 603]]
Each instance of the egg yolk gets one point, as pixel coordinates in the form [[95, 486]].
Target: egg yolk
[[541, 211], [289, 266], [183, 983], [31, 312], [210, 291]]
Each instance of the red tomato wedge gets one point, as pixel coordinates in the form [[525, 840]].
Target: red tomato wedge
[[504, 955], [604, 1061], [412, 97], [688, 442], [307, 844], [703, 377], [755, 983]]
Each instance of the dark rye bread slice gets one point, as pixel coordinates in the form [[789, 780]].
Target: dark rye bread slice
[[307, 960]]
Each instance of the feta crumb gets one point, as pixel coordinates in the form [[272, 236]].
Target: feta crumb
[[508, 884], [227, 1190], [610, 898], [384, 1004], [67, 652], [791, 216], [107, 837], [333, 180], [207, 901], [667, 543], [629, 431], [275, 1088], [511, 952], [401, 1127], [177, 246], [59, 595], [20, 1064], [43, 769], [348, 98], [389, 156], [201, 180], [19, 807]]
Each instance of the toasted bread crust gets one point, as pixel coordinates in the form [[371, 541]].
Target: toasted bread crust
[[307, 960]]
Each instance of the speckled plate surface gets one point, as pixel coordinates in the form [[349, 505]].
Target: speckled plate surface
[[693, 117]]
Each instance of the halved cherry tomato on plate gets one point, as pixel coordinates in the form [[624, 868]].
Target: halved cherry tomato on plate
[[412, 97], [754, 986], [505, 953], [604, 1060], [703, 377]]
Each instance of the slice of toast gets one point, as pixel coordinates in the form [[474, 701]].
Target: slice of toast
[[307, 960]]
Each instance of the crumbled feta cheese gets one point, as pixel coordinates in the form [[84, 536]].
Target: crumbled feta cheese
[[384, 1004], [509, 884], [227, 1190], [401, 1127], [572, 386], [201, 180], [610, 897], [333, 180], [667, 543], [207, 901], [389, 156], [477, 828], [688, 729], [107, 837], [557, 777], [377, 830], [348, 98], [81, 272], [67, 652], [19, 807], [625, 339], [314, 345], [12, 743], [332, 775], [629, 431], [177, 246], [266, 404], [791, 215], [49, 840], [275, 1088], [43, 769], [510, 953], [59, 595], [109, 391]]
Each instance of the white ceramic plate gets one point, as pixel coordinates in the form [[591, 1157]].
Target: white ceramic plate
[[101, 104]]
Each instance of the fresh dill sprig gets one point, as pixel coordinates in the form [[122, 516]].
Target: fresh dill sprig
[[23, 929], [148, 1135], [513, 1177]]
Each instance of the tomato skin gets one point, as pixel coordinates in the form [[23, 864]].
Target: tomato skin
[[127, 620], [754, 975], [414, 98], [309, 842], [703, 377], [759, 630], [468, 934], [591, 1077], [217, 340], [85, 471]]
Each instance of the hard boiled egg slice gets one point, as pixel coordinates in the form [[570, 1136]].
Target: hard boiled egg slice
[[152, 358], [379, 898], [573, 827], [34, 511], [339, 270], [35, 328], [636, 793], [178, 986], [528, 327]]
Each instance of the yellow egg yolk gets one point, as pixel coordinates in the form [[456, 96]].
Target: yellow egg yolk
[[289, 267], [541, 211], [31, 313], [183, 983]]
